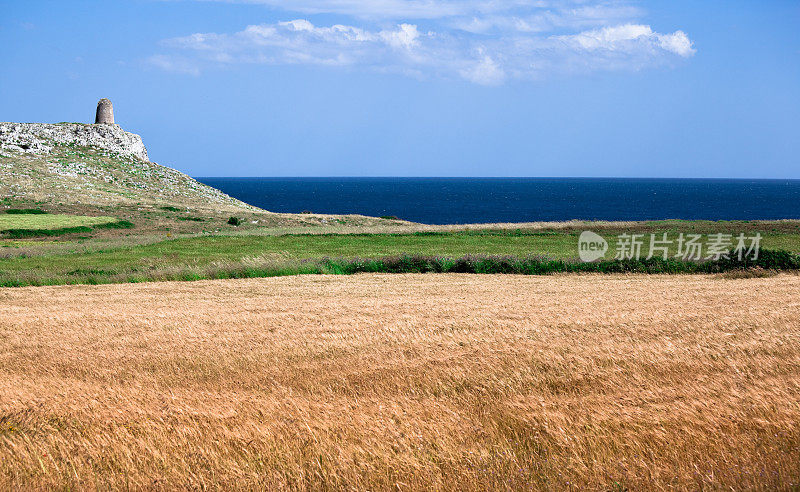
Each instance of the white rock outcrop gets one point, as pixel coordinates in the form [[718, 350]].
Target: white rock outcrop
[[39, 138]]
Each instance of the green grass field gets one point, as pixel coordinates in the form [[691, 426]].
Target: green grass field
[[50, 221], [157, 260]]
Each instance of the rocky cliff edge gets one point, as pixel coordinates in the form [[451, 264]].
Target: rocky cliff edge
[[40, 138]]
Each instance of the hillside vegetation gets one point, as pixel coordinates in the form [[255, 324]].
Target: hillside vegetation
[[64, 171], [93, 170]]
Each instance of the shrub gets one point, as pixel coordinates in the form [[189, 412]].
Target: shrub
[[170, 208], [234, 221], [768, 260], [26, 211], [27, 233], [120, 224], [389, 217]]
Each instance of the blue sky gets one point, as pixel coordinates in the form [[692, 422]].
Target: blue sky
[[421, 87]]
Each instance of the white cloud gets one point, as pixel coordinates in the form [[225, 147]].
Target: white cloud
[[631, 38], [405, 37], [545, 19], [678, 43], [485, 42], [297, 42], [609, 38], [484, 71]]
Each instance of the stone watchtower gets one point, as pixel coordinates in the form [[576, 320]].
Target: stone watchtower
[[105, 112]]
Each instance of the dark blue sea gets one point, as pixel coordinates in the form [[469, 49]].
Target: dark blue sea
[[477, 200]]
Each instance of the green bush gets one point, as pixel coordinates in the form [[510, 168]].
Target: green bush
[[26, 211], [28, 233], [539, 265], [235, 221], [120, 224]]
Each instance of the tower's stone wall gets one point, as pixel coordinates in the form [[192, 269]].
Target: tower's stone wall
[[105, 112]]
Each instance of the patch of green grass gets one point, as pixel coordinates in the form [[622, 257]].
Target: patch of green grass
[[305, 252], [170, 208], [772, 261], [16, 243], [202, 252], [50, 221], [48, 226]]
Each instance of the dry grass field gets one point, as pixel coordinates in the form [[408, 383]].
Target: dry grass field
[[403, 382]]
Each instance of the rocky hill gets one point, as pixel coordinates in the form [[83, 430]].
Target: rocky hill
[[40, 138], [84, 164]]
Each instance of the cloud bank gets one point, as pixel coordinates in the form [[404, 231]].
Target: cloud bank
[[486, 42]]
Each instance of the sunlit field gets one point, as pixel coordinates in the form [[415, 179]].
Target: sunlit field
[[402, 382]]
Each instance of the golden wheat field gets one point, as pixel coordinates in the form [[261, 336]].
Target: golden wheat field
[[404, 382]]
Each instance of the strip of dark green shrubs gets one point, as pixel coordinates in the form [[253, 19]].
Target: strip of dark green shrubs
[[26, 211], [539, 265]]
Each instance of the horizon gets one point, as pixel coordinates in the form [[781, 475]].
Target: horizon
[[315, 88]]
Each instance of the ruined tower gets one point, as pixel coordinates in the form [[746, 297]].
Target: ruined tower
[[105, 112]]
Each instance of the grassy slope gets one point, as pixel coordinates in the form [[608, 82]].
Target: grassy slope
[[86, 175]]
